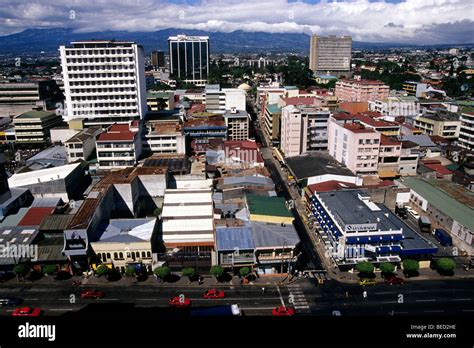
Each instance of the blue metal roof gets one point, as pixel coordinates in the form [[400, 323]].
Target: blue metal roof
[[230, 238]]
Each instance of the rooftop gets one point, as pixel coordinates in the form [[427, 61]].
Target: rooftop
[[128, 230], [389, 141], [44, 175], [267, 235], [230, 238], [315, 164], [264, 205], [36, 114], [84, 135], [358, 128], [449, 198], [35, 216]]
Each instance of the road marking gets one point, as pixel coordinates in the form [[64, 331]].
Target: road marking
[[59, 309], [430, 300], [301, 307], [435, 311], [461, 299], [281, 298]]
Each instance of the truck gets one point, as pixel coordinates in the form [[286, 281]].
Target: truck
[[218, 311], [425, 224], [443, 237]]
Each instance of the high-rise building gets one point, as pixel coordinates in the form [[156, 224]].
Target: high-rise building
[[330, 54], [361, 90], [158, 59], [189, 58], [466, 134], [104, 81]]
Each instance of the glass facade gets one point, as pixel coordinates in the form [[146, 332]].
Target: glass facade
[[189, 58]]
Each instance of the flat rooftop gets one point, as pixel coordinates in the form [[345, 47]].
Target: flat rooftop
[[315, 164]]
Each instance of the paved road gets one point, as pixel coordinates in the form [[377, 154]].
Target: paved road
[[444, 297]]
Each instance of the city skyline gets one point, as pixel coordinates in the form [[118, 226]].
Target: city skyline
[[444, 21]]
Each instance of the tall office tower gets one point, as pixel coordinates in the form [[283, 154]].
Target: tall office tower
[[330, 54], [189, 58], [104, 81], [158, 59]]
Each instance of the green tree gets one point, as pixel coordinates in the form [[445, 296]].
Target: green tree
[[216, 271], [21, 270], [102, 270], [411, 266], [445, 265], [130, 271], [157, 212], [162, 272], [387, 267], [244, 271], [365, 267], [189, 272], [49, 269]]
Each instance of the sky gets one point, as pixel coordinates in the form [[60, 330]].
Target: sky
[[403, 21]]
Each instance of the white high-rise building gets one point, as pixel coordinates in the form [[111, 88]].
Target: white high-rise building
[[104, 81]]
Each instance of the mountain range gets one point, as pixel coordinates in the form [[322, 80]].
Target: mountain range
[[34, 41]]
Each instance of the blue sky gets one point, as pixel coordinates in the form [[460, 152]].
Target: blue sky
[[410, 21]]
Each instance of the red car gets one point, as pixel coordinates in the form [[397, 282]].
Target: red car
[[393, 280], [213, 293], [179, 301], [27, 312], [283, 311], [92, 294]]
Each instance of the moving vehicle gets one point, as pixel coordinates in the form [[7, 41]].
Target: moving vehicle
[[92, 294], [367, 282], [283, 311], [394, 280], [27, 312], [443, 237], [219, 311], [213, 293], [179, 301], [10, 301], [425, 224]]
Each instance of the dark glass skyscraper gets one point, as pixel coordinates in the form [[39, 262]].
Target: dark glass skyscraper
[[189, 58]]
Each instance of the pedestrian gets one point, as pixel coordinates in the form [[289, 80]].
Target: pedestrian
[[263, 291]]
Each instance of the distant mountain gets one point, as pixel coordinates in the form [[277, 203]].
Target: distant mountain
[[33, 41]]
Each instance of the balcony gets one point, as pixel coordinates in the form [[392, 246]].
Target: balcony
[[232, 259]]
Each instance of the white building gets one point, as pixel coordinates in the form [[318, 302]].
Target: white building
[[395, 106], [466, 134], [237, 122], [219, 100], [82, 144], [104, 81], [118, 147], [164, 137]]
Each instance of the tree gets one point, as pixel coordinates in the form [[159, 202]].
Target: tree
[[445, 265], [21, 270], [102, 270], [216, 271], [410, 266], [49, 269], [244, 271], [387, 267], [365, 267], [162, 272], [130, 271], [157, 212], [189, 272]]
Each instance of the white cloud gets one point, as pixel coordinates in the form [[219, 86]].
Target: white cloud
[[408, 21]]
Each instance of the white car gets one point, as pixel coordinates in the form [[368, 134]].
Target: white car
[[413, 213]]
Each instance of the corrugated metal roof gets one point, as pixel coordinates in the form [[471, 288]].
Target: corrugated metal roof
[[422, 140], [273, 235], [56, 222], [35, 216], [230, 238]]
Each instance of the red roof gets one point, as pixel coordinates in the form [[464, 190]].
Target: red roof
[[119, 128], [438, 168], [389, 141], [375, 123], [117, 136], [331, 185], [34, 216], [358, 128], [439, 139], [343, 116]]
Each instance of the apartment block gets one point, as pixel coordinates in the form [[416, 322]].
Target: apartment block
[[33, 127], [466, 132], [303, 129], [389, 157], [164, 137], [330, 54], [394, 106], [444, 124], [219, 100], [104, 81], [361, 90], [237, 122], [82, 144], [118, 147]]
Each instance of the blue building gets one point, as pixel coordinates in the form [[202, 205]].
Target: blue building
[[355, 229]]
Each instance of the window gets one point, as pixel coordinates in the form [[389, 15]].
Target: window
[[361, 141]]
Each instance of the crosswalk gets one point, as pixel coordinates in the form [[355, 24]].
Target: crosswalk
[[298, 298]]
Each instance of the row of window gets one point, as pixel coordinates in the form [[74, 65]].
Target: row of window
[[76, 52], [365, 165], [101, 105], [100, 60], [99, 90], [101, 75], [105, 97], [101, 67], [120, 255], [101, 83], [368, 141]]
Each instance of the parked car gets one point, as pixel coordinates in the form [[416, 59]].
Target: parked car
[[367, 282], [283, 311], [402, 212], [179, 301], [92, 294], [27, 312], [213, 293], [10, 301], [394, 280], [413, 213]]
